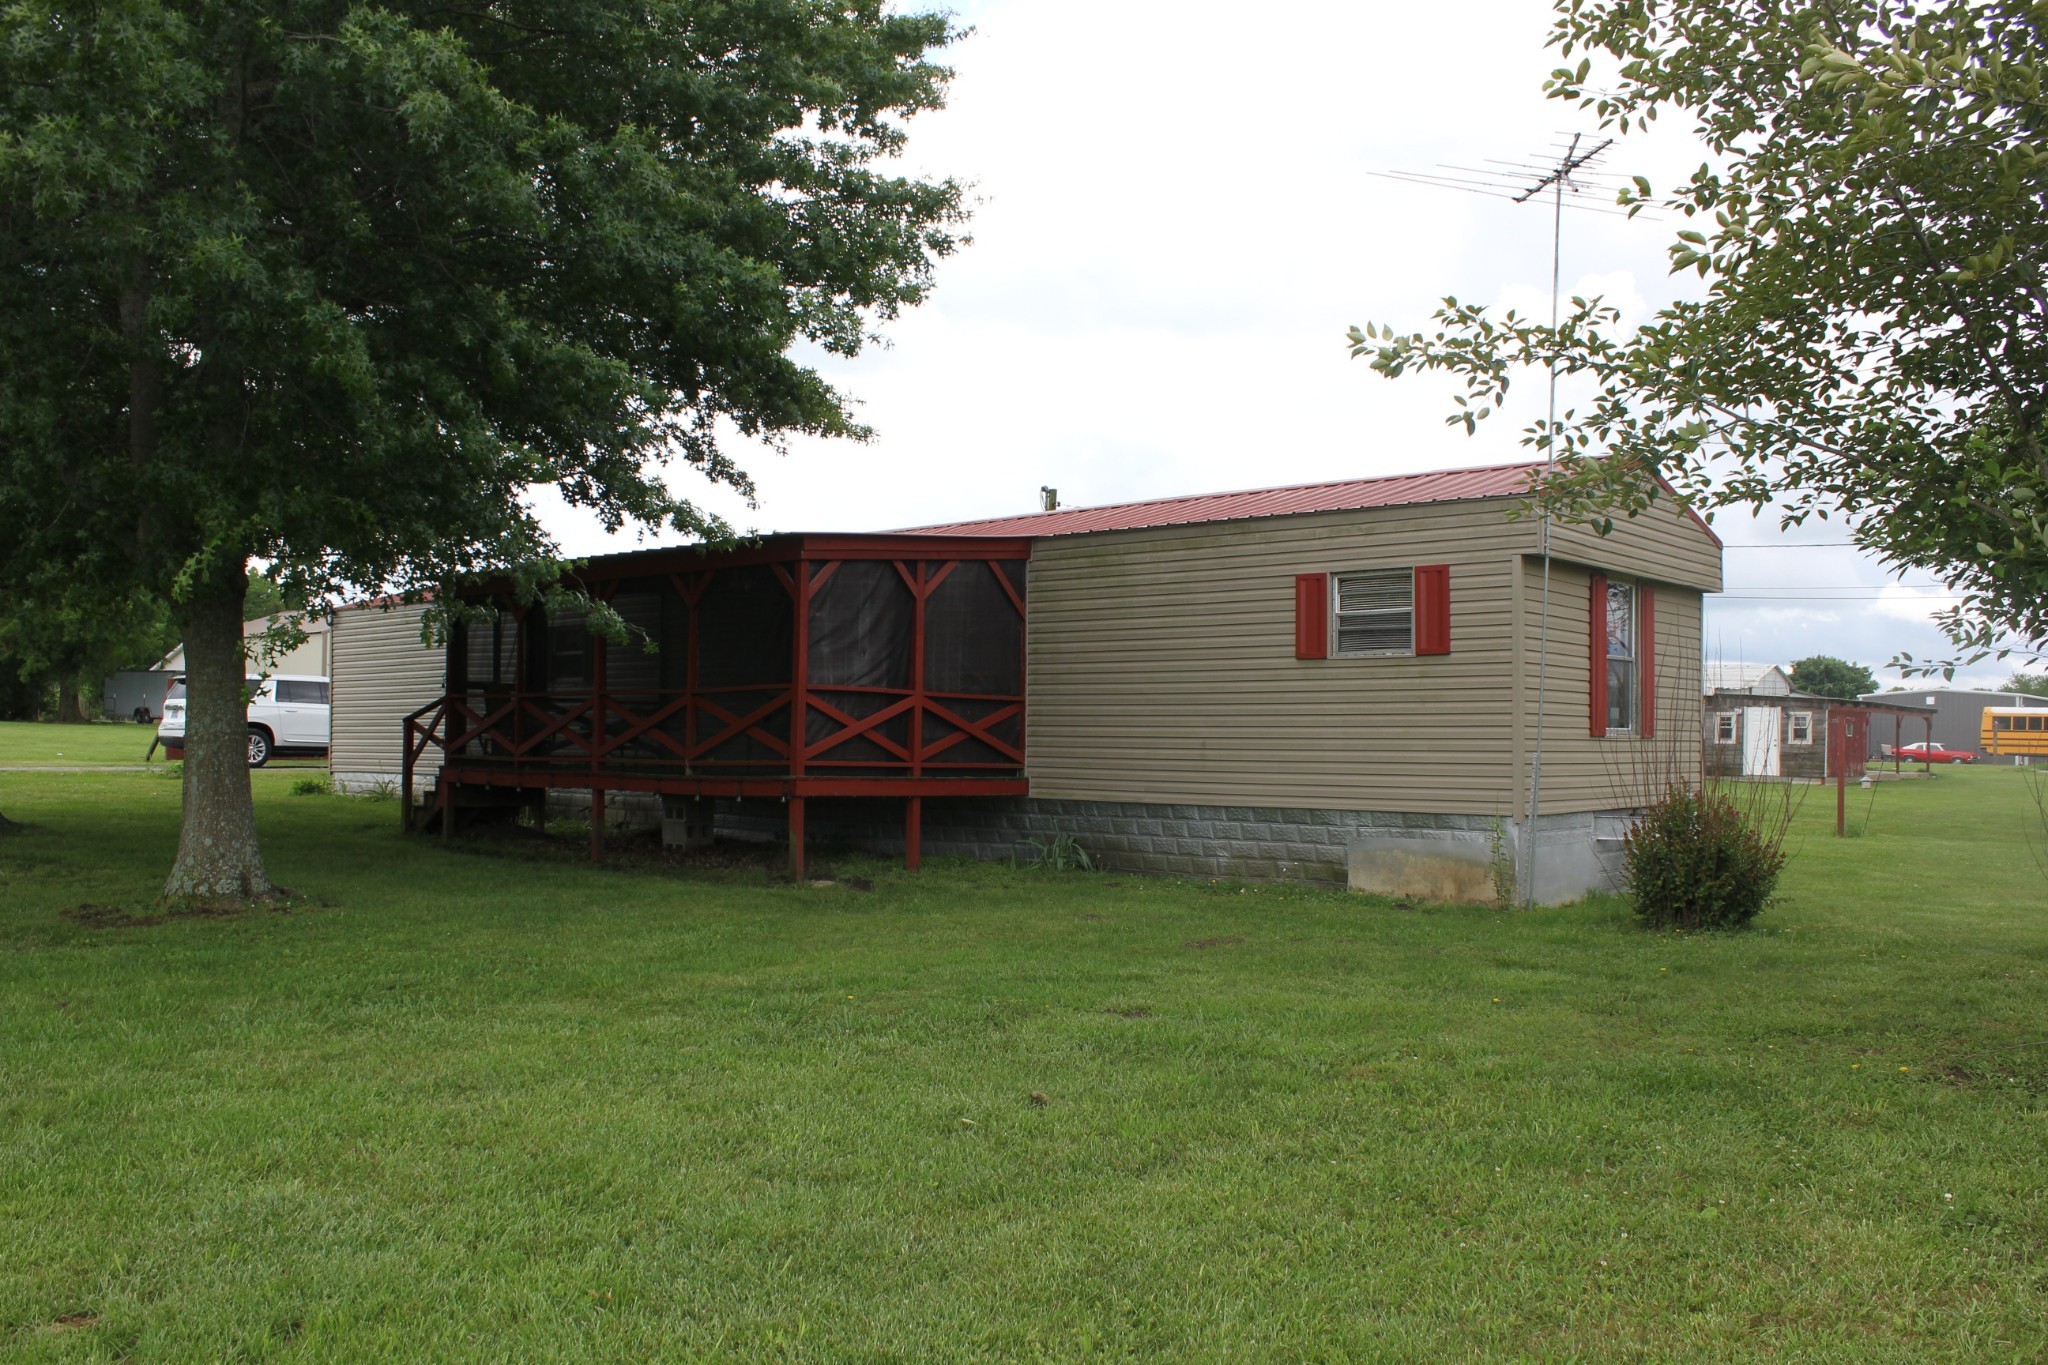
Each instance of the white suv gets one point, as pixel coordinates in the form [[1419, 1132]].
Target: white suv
[[288, 714]]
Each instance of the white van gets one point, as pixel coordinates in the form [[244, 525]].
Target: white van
[[288, 715]]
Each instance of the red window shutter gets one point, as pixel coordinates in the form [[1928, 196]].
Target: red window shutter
[[1433, 609], [1596, 634], [1312, 616], [1646, 660]]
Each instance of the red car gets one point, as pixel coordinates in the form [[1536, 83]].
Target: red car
[[1934, 753]]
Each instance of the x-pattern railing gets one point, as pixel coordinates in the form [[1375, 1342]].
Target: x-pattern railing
[[559, 729]]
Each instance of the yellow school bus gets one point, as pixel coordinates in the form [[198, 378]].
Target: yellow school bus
[[2015, 730]]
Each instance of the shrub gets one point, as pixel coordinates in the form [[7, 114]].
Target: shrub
[[1698, 860], [312, 786]]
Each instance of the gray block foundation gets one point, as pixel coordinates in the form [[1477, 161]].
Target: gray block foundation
[[1433, 857]]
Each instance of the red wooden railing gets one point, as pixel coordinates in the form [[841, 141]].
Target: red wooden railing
[[558, 735]]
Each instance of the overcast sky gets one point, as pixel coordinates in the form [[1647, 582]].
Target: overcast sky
[[1176, 217]]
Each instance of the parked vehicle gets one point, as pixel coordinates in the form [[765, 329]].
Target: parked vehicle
[[1934, 753], [2015, 730], [288, 716]]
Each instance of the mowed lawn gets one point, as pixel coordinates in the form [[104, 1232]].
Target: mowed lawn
[[65, 746], [465, 1106]]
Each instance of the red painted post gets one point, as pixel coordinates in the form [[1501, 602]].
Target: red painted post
[[800, 673], [913, 833], [405, 761], [597, 735], [1838, 751], [918, 593]]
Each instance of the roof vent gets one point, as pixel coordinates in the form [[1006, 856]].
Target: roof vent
[[1048, 498]]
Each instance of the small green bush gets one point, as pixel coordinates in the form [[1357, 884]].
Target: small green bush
[[1698, 860], [312, 786]]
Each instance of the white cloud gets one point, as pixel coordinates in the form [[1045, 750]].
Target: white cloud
[[1903, 603]]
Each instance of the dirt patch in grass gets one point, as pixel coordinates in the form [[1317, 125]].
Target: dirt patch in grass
[[72, 1322]]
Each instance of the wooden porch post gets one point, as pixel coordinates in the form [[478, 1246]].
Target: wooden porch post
[[799, 712], [597, 733], [913, 833]]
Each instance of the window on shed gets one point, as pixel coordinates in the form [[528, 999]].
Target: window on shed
[[1799, 727], [1724, 727], [1372, 612]]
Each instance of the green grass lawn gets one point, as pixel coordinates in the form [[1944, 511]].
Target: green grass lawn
[[101, 742], [461, 1106]]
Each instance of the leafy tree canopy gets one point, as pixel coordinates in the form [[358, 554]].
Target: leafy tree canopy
[[2033, 684], [1826, 676], [1873, 340], [58, 633], [335, 286]]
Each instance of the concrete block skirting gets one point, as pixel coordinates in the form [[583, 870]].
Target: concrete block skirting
[[1436, 857]]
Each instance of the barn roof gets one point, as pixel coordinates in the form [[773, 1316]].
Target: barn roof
[[1347, 495]]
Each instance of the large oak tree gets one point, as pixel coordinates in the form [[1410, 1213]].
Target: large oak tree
[[335, 285], [1873, 233]]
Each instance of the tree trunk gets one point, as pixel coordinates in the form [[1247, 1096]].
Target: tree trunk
[[218, 856], [70, 705]]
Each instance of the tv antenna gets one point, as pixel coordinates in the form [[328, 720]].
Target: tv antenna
[[1571, 167]]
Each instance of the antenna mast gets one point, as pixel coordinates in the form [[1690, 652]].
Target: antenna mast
[[1569, 171]]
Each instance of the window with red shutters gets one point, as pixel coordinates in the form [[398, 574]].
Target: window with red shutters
[[1373, 613], [1620, 631]]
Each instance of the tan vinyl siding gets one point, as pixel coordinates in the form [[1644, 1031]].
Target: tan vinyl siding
[[1163, 668], [1664, 544], [1584, 773], [382, 673]]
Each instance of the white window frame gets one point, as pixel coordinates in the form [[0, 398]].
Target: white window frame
[[1398, 582], [1793, 722], [1632, 716], [1727, 727]]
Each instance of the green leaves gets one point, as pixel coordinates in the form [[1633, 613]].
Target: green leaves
[[1870, 342], [386, 269]]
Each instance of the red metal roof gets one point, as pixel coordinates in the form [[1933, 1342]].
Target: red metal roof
[[1394, 490]]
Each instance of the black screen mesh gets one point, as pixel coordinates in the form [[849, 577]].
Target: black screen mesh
[[974, 635]]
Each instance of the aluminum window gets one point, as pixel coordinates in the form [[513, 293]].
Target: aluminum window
[[1372, 613], [1799, 727], [1725, 727], [1621, 657]]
